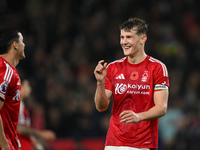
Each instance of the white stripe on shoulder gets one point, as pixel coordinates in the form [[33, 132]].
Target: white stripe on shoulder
[[117, 61], [9, 72], [165, 73]]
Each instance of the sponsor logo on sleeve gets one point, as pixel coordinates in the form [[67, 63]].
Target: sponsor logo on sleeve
[[3, 87]]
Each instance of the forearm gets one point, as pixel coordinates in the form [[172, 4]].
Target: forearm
[[101, 99], [3, 140], [21, 129], [160, 108], [153, 113]]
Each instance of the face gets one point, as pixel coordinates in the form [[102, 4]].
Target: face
[[20, 47], [131, 43]]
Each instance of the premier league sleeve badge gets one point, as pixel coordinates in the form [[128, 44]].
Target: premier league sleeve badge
[[3, 87]]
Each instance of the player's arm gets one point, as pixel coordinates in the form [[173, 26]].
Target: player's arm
[[33, 134], [43, 134], [36, 144], [3, 141], [102, 96], [21, 129], [160, 108], [160, 99]]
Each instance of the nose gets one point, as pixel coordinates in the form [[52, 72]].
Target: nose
[[124, 41]]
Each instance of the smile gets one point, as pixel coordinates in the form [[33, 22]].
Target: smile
[[127, 47]]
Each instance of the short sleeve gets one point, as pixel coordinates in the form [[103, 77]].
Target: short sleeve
[[108, 80], [6, 73], [161, 79], [3, 83]]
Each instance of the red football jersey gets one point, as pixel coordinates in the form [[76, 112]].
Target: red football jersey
[[10, 92], [133, 86], [25, 120]]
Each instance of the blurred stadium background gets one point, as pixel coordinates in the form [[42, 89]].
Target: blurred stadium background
[[66, 38]]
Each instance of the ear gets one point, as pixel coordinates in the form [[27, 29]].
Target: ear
[[143, 39], [15, 45]]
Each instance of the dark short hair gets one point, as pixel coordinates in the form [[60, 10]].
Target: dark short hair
[[7, 37], [139, 24]]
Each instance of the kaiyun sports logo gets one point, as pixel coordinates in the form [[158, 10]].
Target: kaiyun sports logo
[[122, 88]]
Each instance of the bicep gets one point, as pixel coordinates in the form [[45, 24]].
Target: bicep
[[108, 94], [161, 98]]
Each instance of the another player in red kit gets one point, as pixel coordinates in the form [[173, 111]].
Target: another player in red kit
[[29, 137], [11, 52], [139, 85]]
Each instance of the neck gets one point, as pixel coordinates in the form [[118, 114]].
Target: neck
[[10, 59], [137, 59]]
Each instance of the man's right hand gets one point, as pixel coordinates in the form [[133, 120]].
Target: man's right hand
[[100, 71]]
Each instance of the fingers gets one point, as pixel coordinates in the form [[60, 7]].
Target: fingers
[[124, 113], [101, 66], [105, 64], [47, 135], [125, 116], [129, 116], [101, 62]]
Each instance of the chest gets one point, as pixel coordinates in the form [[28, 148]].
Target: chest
[[132, 79]]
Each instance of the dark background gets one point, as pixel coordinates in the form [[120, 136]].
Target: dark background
[[66, 38]]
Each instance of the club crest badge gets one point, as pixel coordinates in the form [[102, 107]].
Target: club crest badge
[[145, 76]]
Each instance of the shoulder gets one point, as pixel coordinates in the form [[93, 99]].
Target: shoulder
[[117, 62], [3, 66], [155, 61], [157, 64], [6, 70]]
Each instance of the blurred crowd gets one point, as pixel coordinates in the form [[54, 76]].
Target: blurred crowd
[[66, 38]]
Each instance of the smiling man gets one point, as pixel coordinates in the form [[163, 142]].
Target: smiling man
[[138, 85], [11, 52]]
